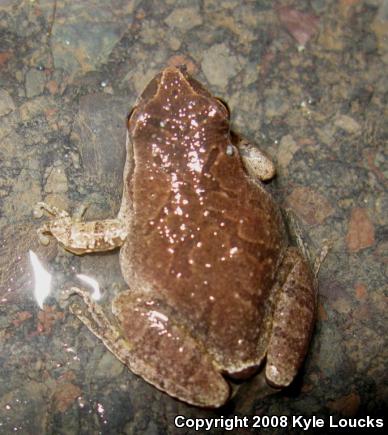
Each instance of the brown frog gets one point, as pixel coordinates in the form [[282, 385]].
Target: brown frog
[[215, 288]]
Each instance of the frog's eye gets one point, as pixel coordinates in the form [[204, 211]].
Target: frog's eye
[[225, 105]]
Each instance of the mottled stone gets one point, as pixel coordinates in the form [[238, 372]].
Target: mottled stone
[[65, 396], [330, 355], [276, 103], [20, 199], [83, 37], [287, 148], [331, 37], [360, 290], [310, 205], [35, 107], [140, 77], [109, 367], [346, 405], [151, 33], [20, 415], [380, 28], [174, 42], [184, 18], [56, 181], [361, 233], [47, 318], [6, 103], [4, 57], [35, 81], [219, 65], [52, 86], [302, 26], [347, 123], [99, 133]]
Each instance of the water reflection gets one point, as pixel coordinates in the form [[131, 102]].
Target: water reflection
[[43, 281], [42, 278], [96, 295]]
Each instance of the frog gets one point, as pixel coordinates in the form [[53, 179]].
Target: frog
[[216, 291]]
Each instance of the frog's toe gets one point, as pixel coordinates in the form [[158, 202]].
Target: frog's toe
[[38, 210], [79, 212], [75, 309], [67, 293], [42, 235], [55, 211]]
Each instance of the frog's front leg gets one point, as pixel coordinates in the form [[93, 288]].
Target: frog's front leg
[[81, 237], [256, 162], [293, 320]]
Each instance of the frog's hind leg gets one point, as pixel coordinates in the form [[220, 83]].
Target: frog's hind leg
[[97, 322], [293, 320], [166, 354], [154, 347]]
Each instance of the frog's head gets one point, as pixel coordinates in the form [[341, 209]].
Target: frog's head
[[174, 96]]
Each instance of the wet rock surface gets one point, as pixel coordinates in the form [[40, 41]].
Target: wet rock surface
[[304, 80]]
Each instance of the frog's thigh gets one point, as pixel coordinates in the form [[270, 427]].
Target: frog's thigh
[[166, 355], [292, 322], [155, 348], [256, 162]]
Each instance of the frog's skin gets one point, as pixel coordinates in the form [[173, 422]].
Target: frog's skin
[[215, 288]]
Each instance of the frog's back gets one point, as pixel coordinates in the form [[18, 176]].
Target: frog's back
[[206, 241]]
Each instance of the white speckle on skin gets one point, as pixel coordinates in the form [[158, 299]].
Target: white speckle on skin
[[212, 112], [233, 251], [229, 150]]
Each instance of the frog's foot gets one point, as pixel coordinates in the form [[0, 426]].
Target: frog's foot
[[297, 234], [93, 317], [293, 320], [59, 216], [56, 212], [42, 231], [322, 256], [256, 162], [80, 237]]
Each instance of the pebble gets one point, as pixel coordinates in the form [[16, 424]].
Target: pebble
[[219, 65]]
